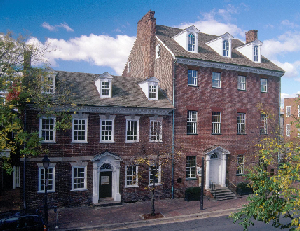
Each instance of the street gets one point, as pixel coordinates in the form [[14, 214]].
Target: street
[[212, 223]]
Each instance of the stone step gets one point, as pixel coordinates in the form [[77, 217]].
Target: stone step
[[222, 193], [107, 202]]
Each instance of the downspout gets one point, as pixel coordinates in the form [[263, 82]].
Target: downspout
[[173, 124], [24, 166], [279, 135]]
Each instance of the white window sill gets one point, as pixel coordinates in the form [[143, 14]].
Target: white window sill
[[79, 190], [155, 141], [107, 142], [131, 186], [79, 142], [156, 184], [134, 141], [48, 191], [191, 178]]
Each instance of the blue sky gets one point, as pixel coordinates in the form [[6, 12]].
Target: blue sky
[[97, 36]]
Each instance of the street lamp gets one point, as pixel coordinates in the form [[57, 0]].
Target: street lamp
[[46, 163]]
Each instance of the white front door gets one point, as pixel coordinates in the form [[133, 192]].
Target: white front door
[[215, 170]]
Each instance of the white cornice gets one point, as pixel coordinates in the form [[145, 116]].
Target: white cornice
[[230, 67], [166, 47]]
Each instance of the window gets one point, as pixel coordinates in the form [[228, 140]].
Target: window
[[216, 123], [79, 128], [240, 165], [216, 79], [79, 176], [241, 121], [158, 51], [190, 166], [225, 48], [48, 84], [105, 89], [264, 124], [255, 53], [51, 179], [154, 172], [131, 176], [16, 177], [192, 77], [107, 128], [288, 130], [192, 122], [191, 42], [47, 129], [264, 85], [132, 129], [288, 111], [155, 129], [241, 83], [153, 92], [128, 67]]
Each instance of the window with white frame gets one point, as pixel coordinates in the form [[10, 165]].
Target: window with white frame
[[47, 129], [191, 42], [288, 111], [255, 53], [264, 124], [131, 176], [128, 67], [158, 51], [42, 179], [241, 123], [288, 130], [216, 123], [264, 85], [225, 48], [153, 92], [191, 167], [105, 89], [79, 128], [154, 173], [192, 122], [79, 178], [192, 77], [216, 79], [241, 83], [155, 129], [240, 165], [132, 129], [107, 128], [48, 84], [16, 177]]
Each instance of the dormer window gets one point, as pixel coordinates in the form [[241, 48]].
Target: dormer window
[[191, 42], [225, 48], [48, 84], [188, 39], [158, 51], [128, 67], [103, 84], [255, 53], [150, 88]]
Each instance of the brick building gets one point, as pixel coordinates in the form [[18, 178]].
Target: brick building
[[291, 115], [115, 118], [222, 91]]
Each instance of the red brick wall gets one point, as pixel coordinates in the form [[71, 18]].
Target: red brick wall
[[293, 102]]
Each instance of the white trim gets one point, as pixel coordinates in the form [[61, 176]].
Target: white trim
[[136, 181], [264, 87], [108, 118], [288, 111], [79, 165], [194, 78], [240, 84], [173, 56], [47, 130], [218, 81], [288, 130], [159, 120], [39, 178], [80, 117], [158, 175], [132, 119]]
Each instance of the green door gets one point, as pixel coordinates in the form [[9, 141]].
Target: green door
[[105, 184]]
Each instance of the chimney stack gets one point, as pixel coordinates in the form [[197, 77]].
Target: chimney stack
[[251, 36]]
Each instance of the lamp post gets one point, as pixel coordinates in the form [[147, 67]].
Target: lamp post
[[46, 163]]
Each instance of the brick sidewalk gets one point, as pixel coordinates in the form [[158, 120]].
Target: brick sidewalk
[[88, 217]]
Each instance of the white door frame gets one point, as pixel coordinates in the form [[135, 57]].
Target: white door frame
[[114, 161], [221, 154]]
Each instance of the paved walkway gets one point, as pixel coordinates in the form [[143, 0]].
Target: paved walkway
[[128, 215]]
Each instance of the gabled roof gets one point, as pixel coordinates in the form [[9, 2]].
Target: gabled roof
[[205, 53], [125, 92]]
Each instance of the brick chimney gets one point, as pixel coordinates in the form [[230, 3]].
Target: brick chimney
[[146, 32], [251, 36]]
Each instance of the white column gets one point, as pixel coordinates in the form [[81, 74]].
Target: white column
[[117, 187], [95, 183], [223, 164], [207, 172]]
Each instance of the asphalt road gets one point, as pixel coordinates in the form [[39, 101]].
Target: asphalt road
[[222, 223]]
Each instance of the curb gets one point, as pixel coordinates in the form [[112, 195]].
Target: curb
[[160, 221]]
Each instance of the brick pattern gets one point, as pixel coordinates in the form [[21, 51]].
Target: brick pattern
[[251, 36], [293, 102]]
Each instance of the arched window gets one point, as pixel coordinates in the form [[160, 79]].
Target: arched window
[[225, 48], [191, 42], [255, 52], [214, 156]]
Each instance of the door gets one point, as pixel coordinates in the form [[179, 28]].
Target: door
[[214, 171], [105, 184]]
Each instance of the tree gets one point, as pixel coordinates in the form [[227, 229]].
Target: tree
[[275, 183], [23, 86]]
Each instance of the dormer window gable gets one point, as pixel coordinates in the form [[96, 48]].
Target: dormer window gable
[[48, 83], [150, 88], [222, 45], [252, 50], [104, 85], [188, 39]]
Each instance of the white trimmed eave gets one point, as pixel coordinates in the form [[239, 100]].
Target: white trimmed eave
[[230, 67], [165, 46]]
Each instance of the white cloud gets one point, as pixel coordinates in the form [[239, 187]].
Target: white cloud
[[289, 24], [101, 50], [53, 28]]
